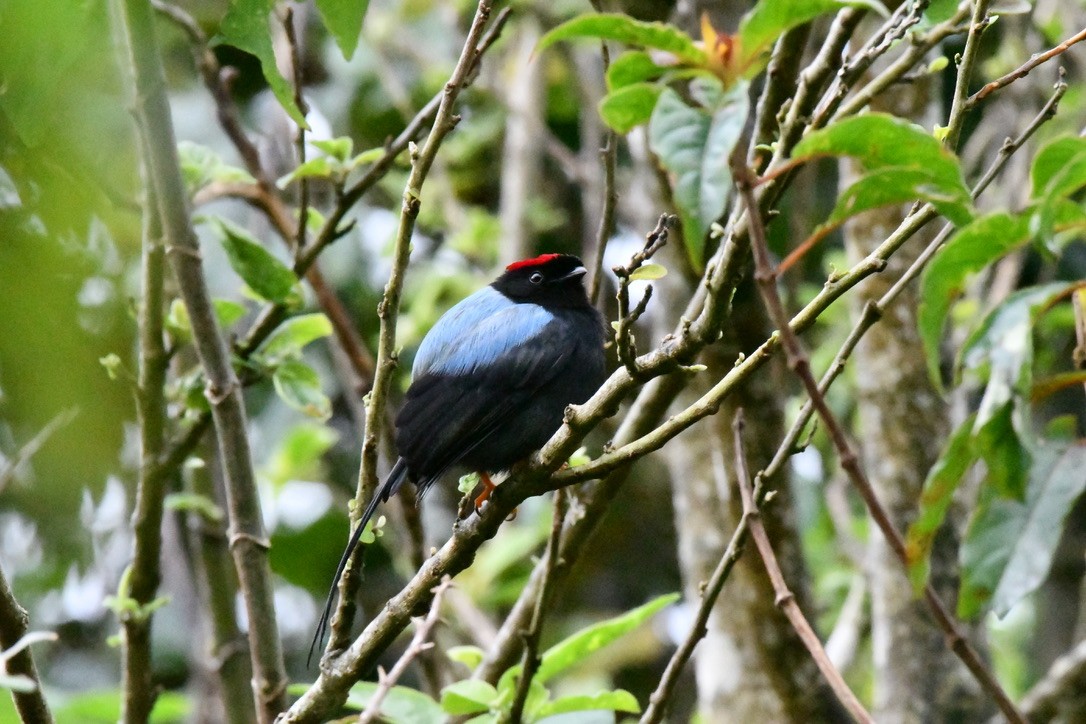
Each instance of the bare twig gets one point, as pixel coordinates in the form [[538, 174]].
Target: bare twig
[[31, 447], [155, 126], [388, 310], [530, 660], [14, 622], [419, 644], [1078, 304], [624, 341], [139, 690], [785, 600], [977, 26], [799, 363], [299, 138], [607, 214], [1023, 70]]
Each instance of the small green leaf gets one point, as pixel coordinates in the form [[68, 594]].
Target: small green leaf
[[263, 272], [469, 656], [299, 455], [113, 364], [1009, 546], [201, 166], [470, 696], [968, 251], [294, 334], [343, 18], [618, 700], [337, 148], [633, 66], [246, 27], [694, 145], [202, 505], [939, 487], [467, 483], [227, 311], [319, 167], [649, 272], [300, 387], [367, 156], [624, 29], [938, 64], [574, 649], [629, 106]]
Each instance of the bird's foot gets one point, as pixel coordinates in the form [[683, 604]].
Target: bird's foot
[[488, 488]]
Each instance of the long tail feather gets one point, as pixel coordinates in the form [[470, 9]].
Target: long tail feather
[[392, 483]]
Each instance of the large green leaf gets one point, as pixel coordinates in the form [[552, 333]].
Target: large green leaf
[[969, 250], [402, 704], [104, 707], [633, 66], [629, 106], [1000, 352], [904, 162], [624, 29], [1009, 546], [343, 18], [587, 641], [246, 27], [265, 274], [694, 145], [1059, 169], [761, 27], [294, 334], [939, 487], [470, 696]]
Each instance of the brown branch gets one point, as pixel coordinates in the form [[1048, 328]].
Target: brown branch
[[299, 138], [418, 645], [798, 361], [624, 341], [785, 600], [1078, 304], [388, 310], [154, 124], [530, 660], [1023, 70], [17, 659]]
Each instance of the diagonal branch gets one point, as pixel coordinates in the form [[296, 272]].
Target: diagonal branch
[[1023, 70]]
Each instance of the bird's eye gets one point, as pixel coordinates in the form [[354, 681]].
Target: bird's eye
[[536, 278]]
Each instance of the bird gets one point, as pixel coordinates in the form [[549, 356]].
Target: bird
[[491, 381]]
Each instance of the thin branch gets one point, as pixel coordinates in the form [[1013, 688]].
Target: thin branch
[[388, 310], [607, 215], [624, 341], [31, 447], [977, 26], [785, 600], [1024, 70], [299, 137], [1063, 683], [849, 461], [138, 686], [1078, 304], [249, 545], [419, 644], [530, 659], [14, 623]]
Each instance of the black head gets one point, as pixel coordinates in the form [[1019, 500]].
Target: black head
[[551, 280]]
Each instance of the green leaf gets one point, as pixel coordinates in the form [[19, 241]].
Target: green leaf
[[202, 505], [104, 707], [939, 487], [761, 27], [574, 649], [649, 272], [401, 705], [968, 251], [633, 66], [294, 334], [624, 29], [1008, 548], [694, 145], [618, 700], [629, 106], [906, 161], [1059, 169], [343, 18], [319, 167], [263, 272], [338, 148], [470, 696], [469, 656], [299, 455], [227, 311], [299, 386], [246, 27], [201, 166]]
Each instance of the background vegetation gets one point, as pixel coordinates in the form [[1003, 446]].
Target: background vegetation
[[195, 386]]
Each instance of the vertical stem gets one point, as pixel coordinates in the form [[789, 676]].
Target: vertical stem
[[248, 543], [13, 626], [137, 681]]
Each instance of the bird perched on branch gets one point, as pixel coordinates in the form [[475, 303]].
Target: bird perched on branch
[[491, 381]]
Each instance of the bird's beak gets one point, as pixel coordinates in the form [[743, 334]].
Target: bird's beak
[[578, 272]]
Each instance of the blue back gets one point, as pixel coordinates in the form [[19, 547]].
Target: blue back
[[476, 331]]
